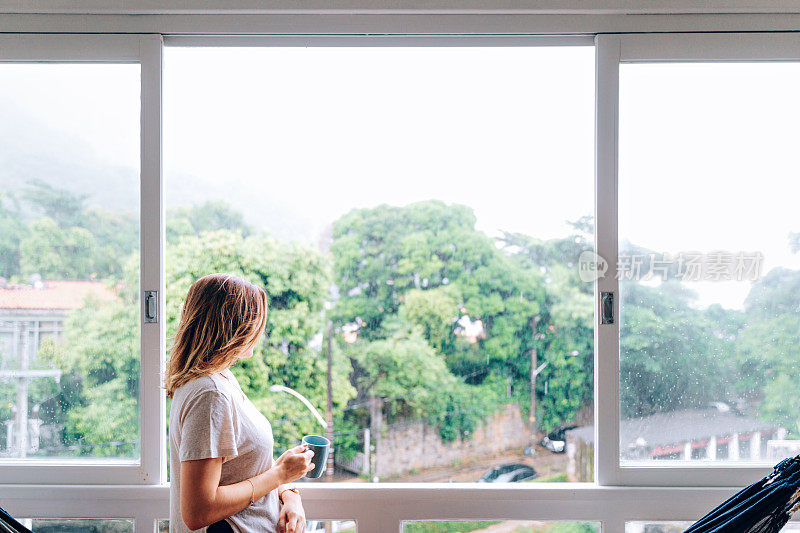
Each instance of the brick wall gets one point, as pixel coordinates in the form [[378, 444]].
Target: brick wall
[[416, 446]]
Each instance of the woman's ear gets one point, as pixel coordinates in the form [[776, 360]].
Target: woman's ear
[[247, 354]]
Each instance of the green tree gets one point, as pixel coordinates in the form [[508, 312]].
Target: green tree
[[566, 384], [435, 311], [380, 253], [565, 327], [413, 381], [69, 240], [768, 353], [426, 264], [209, 216], [384, 253], [60, 205], [553, 252], [769, 360], [777, 293], [58, 253], [672, 355], [116, 234], [12, 231], [98, 396], [404, 367]]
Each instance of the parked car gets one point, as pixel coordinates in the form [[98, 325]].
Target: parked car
[[509, 473], [556, 441]]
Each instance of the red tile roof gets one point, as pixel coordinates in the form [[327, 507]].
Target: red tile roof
[[54, 295]]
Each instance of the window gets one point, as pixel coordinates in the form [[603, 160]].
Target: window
[[517, 526], [312, 526], [425, 209], [55, 525], [678, 527], [75, 156], [645, 85], [708, 262], [69, 264]]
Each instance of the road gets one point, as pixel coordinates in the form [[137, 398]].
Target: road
[[544, 462]]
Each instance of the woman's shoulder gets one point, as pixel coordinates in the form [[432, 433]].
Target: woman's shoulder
[[210, 384], [201, 397]]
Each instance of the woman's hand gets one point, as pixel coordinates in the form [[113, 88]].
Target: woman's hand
[[293, 516], [294, 463]]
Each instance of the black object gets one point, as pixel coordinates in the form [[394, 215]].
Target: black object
[[763, 507], [220, 527], [9, 525], [510, 473], [320, 446], [556, 441]]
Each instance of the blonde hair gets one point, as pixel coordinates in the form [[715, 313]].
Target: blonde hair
[[221, 317]]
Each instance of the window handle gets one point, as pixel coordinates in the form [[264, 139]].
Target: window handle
[[150, 307], [606, 307]]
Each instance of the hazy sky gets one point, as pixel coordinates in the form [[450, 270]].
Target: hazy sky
[[708, 153], [508, 132], [96, 106], [709, 160]]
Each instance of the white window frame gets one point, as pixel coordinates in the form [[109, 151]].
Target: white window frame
[[614, 50], [620, 494], [145, 50]]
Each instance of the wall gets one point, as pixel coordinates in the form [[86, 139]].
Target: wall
[[580, 459], [416, 446]]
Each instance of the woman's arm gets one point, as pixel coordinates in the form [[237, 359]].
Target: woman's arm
[[204, 501]]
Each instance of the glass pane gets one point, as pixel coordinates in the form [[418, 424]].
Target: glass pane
[[64, 525], [709, 270], [431, 205], [500, 526], [69, 266], [312, 526], [679, 527], [656, 527]]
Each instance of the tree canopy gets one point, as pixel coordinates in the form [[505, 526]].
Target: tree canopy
[[432, 316]]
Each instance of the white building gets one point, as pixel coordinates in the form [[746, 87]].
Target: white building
[[30, 314]]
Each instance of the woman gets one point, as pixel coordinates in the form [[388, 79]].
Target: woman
[[223, 477]]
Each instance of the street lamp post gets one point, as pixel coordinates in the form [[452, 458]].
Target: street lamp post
[[534, 372], [329, 405], [327, 426], [281, 388]]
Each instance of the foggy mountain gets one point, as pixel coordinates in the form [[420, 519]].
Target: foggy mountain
[[30, 149]]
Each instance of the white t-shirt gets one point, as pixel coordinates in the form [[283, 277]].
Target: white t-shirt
[[211, 417]]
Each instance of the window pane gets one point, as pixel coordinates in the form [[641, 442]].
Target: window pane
[[500, 526], [93, 525], [431, 205], [69, 267], [709, 279], [679, 527], [312, 526], [656, 527]]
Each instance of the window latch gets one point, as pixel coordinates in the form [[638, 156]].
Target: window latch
[[150, 307], [606, 307]]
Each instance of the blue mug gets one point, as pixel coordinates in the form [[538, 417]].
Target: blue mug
[[320, 446]]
